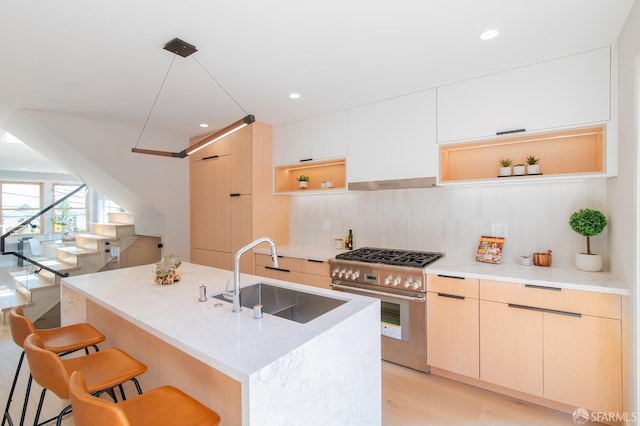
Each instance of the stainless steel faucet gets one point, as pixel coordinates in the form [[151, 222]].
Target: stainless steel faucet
[[235, 295]]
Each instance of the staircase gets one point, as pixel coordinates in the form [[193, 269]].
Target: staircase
[[38, 290]]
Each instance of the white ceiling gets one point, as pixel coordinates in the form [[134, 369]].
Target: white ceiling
[[104, 60]]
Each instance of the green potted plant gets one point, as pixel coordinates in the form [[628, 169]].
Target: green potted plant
[[518, 169], [532, 165], [505, 167], [303, 181], [588, 223]]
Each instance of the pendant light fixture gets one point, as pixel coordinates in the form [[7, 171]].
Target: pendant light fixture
[[184, 49]]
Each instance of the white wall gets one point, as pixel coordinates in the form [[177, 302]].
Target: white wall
[[623, 190], [452, 219]]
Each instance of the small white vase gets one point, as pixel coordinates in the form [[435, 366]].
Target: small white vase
[[505, 171], [518, 170], [533, 169], [589, 262]]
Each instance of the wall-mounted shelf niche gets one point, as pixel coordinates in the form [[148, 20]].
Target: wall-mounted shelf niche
[[331, 172], [574, 152]]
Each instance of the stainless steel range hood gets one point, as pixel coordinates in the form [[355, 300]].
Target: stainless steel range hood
[[377, 185]]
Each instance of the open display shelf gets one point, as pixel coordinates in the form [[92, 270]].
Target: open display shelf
[[323, 176], [574, 152]]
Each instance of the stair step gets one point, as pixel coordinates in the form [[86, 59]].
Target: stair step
[[77, 251], [29, 282], [112, 229]]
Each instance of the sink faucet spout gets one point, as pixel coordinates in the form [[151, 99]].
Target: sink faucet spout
[[236, 267]]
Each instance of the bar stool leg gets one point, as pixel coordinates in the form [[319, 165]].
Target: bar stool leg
[[7, 416]]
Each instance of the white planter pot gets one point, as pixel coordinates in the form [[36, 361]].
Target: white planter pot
[[518, 170], [533, 169], [589, 262], [505, 171], [302, 183]]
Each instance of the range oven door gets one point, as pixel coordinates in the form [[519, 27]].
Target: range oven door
[[403, 327]]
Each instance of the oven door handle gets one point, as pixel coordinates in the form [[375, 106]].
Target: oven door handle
[[379, 293]]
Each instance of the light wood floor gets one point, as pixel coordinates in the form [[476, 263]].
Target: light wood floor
[[408, 398]]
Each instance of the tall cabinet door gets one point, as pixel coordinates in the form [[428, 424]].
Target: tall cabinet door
[[210, 204], [511, 347]]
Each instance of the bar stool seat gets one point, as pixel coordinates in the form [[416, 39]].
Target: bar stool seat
[[165, 405], [61, 340], [104, 370]]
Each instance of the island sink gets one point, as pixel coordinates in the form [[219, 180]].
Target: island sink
[[293, 305]]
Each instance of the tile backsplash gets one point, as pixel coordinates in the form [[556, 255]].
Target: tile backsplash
[[451, 219]]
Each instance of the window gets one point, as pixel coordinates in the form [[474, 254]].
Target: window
[[71, 214], [19, 202]]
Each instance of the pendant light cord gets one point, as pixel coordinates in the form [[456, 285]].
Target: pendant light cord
[[220, 85], [155, 100]]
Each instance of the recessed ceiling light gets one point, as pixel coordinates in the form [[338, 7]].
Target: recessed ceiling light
[[204, 125], [489, 34], [294, 95]]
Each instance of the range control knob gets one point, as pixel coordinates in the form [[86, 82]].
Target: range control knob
[[416, 284], [388, 280], [355, 275], [408, 282], [342, 273], [334, 273], [348, 274], [397, 281]]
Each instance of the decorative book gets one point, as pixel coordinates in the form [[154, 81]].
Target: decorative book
[[490, 249]]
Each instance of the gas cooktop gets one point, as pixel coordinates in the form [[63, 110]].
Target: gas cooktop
[[408, 258]]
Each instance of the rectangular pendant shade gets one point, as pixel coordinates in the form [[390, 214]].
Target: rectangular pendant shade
[[203, 143]]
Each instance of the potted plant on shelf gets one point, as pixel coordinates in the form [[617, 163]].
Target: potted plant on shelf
[[532, 165], [303, 180], [588, 223], [518, 169], [505, 167]]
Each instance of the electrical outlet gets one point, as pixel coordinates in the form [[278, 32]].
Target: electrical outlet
[[326, 224], [498, 229]]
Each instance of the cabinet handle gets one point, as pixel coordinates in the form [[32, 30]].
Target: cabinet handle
[[210, 157], [451, 296], [451, 276], [234, 194], [549, 311], [277, 269], [306, 159], [315, 261], [508, 132], [541, 287]]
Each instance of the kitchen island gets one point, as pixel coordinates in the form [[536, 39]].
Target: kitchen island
[[252, 371]]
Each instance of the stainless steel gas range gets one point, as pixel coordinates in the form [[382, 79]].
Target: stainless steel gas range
[[398, 279]]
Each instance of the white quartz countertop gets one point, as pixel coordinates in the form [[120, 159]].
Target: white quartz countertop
[[553, 276], [234, 343], [303, 252]]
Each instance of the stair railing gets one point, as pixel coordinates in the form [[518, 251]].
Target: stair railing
[[28, 223]]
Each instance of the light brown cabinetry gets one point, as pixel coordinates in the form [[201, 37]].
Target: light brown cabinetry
[[303, 271], [452, 324], [563, 345], [231, 199]]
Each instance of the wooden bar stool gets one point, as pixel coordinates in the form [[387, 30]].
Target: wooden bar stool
[[165, 405], [103, 370], [61, 340]]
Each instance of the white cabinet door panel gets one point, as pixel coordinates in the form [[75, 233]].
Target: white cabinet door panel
[[315, 139], [564, 92], [393, 139]]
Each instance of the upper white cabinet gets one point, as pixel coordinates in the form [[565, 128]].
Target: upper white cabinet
[[565, 92], [316, 139], [393, 139]]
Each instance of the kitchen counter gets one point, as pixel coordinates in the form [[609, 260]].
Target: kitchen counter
[[302, 252], [327, 369], [553, 276]]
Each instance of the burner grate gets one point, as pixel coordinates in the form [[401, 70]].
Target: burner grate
[[408, 258]]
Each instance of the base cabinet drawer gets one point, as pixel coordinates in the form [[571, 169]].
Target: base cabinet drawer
[[279, 273], [297, 270]]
